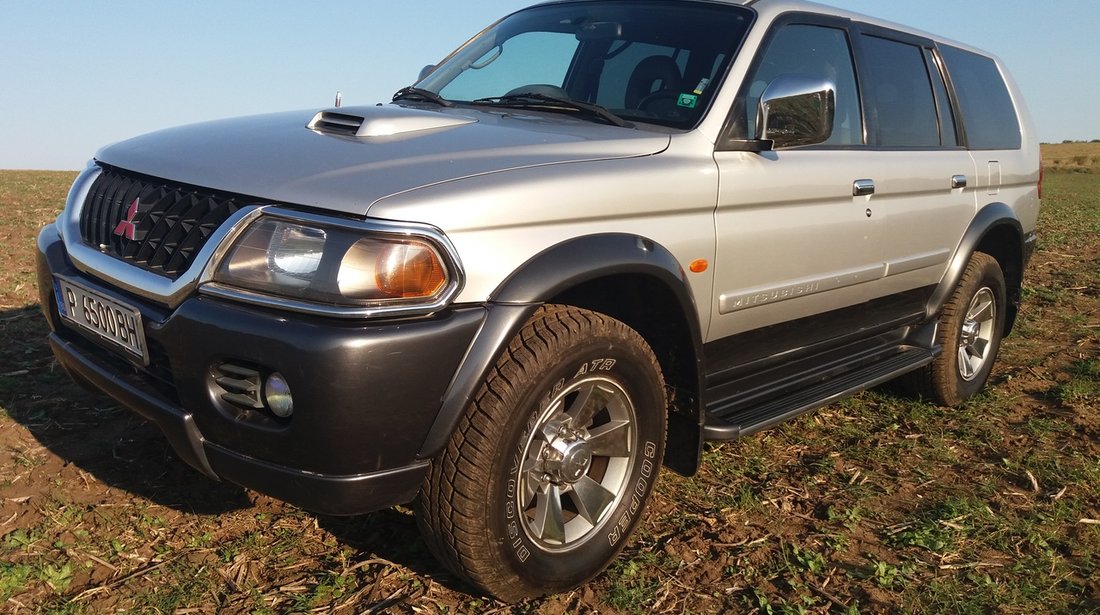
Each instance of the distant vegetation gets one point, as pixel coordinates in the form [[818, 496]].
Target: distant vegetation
[[1072, 157]]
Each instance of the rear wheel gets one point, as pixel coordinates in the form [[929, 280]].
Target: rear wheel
[[970, 333], [550, 468]]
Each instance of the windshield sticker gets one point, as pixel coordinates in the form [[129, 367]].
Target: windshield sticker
[[702, 87], [688, 100]]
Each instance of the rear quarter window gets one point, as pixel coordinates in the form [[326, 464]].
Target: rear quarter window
[[988, 115]]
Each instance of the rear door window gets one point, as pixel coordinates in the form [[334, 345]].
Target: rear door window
[[901, 107], [988, 115]]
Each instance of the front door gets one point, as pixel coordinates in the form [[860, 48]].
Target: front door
[[793, 238]]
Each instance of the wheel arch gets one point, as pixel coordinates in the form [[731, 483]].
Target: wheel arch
[[996, 231], [630, 278]]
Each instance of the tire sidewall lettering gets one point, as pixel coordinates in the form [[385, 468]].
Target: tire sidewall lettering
[[518, 547], [638, 495]]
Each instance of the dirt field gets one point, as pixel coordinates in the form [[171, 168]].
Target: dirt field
[[877, 504]]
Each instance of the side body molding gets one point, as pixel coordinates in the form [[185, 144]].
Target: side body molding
[[558, 272], [996, 230]]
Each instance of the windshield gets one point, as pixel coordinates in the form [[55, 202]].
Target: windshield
[[647, 61]]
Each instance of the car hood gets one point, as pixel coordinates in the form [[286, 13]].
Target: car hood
[[346, 159]]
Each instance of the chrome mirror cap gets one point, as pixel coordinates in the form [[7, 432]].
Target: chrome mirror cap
[[796, 110]]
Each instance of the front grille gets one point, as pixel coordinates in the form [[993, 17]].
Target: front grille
[[164, 231]]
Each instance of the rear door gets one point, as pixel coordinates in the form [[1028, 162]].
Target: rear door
[[924, 179], [1007, 171]]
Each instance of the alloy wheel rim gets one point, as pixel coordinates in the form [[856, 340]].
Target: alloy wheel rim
[[976, 337], [575, 464]]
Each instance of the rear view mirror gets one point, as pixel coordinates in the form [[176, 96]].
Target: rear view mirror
[[796, 110], [600, 31]]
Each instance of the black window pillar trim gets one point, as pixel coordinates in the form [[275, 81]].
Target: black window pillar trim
[[956, 106]]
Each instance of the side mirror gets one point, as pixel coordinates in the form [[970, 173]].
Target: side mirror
[[796, 110]]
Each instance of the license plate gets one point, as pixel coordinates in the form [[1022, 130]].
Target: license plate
[[109, 320]]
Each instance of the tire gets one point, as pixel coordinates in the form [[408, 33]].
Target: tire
[[970, 333], [550, 468]]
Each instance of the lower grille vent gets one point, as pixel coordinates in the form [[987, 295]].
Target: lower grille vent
[[240, 386]]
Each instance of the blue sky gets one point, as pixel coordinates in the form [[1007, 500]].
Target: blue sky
[[78, 75]]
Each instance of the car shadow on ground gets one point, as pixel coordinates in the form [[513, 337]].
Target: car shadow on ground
[[125, 453], [88, 430], [392, 535]]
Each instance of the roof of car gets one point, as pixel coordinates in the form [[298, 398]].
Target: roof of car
[[771, 8], [775, 7]]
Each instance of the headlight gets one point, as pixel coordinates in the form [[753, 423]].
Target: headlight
[[338, 265]]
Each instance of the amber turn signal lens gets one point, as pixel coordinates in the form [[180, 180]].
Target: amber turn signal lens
[[699, 266], [409, 271]]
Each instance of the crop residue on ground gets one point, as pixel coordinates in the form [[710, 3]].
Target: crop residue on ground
[[879, 503]]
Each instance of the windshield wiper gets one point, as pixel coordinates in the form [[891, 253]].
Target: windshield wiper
[[553, 103], [420, 95]]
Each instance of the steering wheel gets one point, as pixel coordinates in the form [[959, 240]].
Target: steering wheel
[[664, 100]]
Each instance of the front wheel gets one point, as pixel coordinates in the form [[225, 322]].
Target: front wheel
[[551, 466], [970, 331]]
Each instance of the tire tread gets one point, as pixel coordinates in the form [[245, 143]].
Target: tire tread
[[937, 381], [447, 510]]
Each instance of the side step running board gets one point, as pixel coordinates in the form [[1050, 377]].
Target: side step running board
[[740, 422]]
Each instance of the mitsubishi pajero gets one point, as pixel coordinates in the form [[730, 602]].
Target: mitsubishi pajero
[[596, 236]]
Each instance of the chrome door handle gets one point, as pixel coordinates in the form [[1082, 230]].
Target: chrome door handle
[[863, 187], [958, 181]]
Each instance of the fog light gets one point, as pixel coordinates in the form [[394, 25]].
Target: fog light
[[277, 396]]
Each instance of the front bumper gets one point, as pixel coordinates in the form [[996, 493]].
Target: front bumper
[[365, 396]]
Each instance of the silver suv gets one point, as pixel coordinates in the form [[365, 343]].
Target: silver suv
[[599, 234]]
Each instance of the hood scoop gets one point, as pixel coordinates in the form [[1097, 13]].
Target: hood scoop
[[381, 121]]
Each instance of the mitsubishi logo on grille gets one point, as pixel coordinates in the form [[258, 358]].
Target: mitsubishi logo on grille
[[126, 227]]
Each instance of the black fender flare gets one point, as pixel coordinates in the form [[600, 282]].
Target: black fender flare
[[988, 219], [540, 279]]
